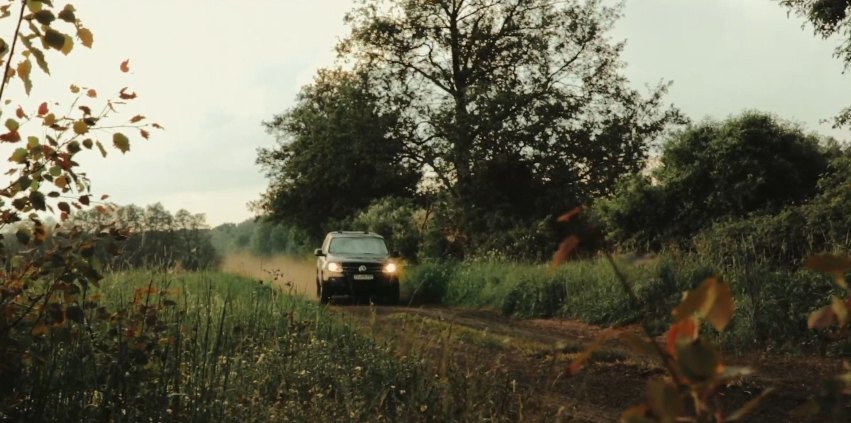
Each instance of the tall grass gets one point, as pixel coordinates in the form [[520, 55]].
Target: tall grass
[[772, 304], [213, 347]]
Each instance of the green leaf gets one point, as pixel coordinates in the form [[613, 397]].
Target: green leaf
[[54, 39], [44, 17], [55, 171], [121, 142], [67, 14], [664, 399], [32, 142], [24, 69], [12, 125], [67, 45], [19, 156], [80, 127], [699, 360], [37, 200], [88, 143], [100, 147], [37, 53]]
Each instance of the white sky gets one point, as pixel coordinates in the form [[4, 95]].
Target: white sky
[[211, 71]]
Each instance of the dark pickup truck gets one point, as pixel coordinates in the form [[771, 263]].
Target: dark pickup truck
[[356, 264]]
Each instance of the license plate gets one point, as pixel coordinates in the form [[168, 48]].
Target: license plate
[[363, 277]]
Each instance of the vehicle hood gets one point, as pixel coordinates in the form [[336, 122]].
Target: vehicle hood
[[360, 258]]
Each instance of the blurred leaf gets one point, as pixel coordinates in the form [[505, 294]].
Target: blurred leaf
[[63, 206], [839, 309], [567, 217], [23, 236], [136, 118], [664, 400], [822, 318], [721, 312], [80, 127], [19, 113], [67, 45], [144, 134], [44, 17], [67, 14], [125, 66], [836, 265], [24, 68], [100, 147], [565, 249], [74, 89], [39, 330], [124, 95], [42, 109], [54, 39], [12, 124], [37, 200], [19, 156], [92, 93], [121, 142], [698, 360], [86, 37], [683, 331], [12, 136], [84, 200]]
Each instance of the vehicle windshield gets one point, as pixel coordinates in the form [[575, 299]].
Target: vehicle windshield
[[357, 245]]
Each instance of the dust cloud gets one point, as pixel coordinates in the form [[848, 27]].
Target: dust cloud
[[287, 273]]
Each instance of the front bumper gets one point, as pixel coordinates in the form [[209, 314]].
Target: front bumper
[[347, 285]]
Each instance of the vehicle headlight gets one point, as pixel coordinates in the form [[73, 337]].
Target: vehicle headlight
[[390, 268], [334, 267]]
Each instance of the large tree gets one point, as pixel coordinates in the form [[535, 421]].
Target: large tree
[[530, 90], [335, 154]]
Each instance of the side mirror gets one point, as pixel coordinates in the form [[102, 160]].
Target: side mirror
[[395, 254], [318, 252]]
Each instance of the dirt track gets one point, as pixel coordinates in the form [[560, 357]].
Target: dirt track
[[536, 352]]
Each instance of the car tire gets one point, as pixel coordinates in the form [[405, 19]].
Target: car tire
[[324, 295], [392, 295]]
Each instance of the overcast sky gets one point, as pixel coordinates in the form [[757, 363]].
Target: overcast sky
[[211, 71]]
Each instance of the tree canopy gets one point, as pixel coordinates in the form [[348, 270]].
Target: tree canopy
[[533, 83], [713, 171], [335, 154]]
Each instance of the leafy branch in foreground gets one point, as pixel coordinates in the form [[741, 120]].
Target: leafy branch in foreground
[[46, 269], [696, 370]]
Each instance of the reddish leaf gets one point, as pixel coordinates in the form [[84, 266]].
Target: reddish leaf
[[565, 249], [86, 110], [20, 113], [156, 125], [104, 197], [684, 329], [92, 93], [144, 133], [84, 199], [136, 118], [11, 136], [125, 66], [567, 217], [42, 109], [124, 95]]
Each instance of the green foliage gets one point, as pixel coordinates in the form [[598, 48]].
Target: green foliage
[[211, 347], [336, 154], [395, 220], [716, 171]]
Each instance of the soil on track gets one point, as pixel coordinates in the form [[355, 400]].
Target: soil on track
[[535, 354]]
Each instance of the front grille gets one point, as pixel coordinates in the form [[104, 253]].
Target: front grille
[[355, 267]]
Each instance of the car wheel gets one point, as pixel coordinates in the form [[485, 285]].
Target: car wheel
[[392, 295], [324, 295]]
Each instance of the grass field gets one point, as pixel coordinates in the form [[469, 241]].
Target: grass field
[[772, 305], [216, 347]]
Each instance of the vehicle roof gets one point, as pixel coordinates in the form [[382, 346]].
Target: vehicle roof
[[337, 234]]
